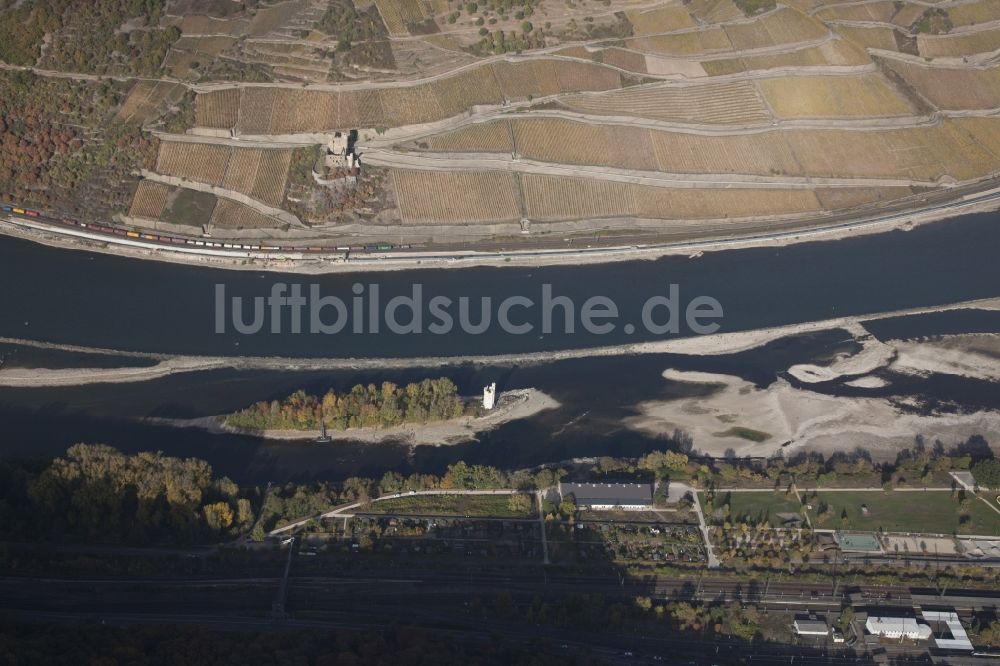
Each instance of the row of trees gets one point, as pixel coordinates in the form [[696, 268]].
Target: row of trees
[[98, 494], [363, 407], [920, 466]]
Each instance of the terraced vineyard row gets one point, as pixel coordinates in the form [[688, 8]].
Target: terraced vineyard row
[[229, 214], [868, 95], [952, 87], [961, 148], [958, 45], [840, 52], [887, 11], [869, 37], [714, 11], [264, 110], [785, 26], [659, 19], [974, 13], [257, 172], [397, 14], [630, 60], [740, 128], [766, 154], [492, 137], [728, 103], [150, 199], [554, 198], [569, 142], [201, 162], [430, 197], [704, 42], [220, 108]]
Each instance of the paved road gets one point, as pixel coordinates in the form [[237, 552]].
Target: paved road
[[713, 561]]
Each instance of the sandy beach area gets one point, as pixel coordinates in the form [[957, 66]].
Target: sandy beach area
[[794, 420], [873, 355], [511, 406], [740, 418], [972, 355], [39, 377]]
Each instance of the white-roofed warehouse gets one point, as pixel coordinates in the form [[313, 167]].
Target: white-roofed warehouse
[[898, 627]]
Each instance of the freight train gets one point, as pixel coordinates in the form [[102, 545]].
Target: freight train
[[176, 240]]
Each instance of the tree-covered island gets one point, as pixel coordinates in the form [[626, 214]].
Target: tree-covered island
[[362, 407]]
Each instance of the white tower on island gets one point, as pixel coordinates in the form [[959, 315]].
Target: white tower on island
[[489, 395]]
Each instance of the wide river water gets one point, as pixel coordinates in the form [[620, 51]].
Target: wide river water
[[104, 301], [98, 300]]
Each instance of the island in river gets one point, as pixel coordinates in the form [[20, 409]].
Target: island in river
[[429, 412]]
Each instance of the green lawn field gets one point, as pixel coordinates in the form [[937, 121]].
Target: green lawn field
[[934, 512], [755, 508]]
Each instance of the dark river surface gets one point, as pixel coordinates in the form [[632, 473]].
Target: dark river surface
[[116, 303], [96, 300]]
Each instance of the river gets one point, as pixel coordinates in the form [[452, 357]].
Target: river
[[98, 300], [88, 299]]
